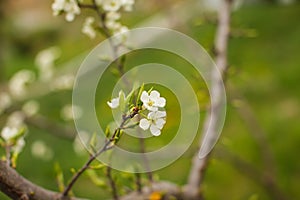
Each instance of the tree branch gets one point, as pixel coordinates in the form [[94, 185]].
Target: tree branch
[[17, 187], [221, 42]]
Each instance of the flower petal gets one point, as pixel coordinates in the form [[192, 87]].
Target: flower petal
[[144, 124], [160, 102], [114, 103], [155, 130], [145, 97], [160, 114], [159, 123], [154, 95]]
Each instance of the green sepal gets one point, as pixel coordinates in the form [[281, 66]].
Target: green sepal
[[138, 101], [122, 101]]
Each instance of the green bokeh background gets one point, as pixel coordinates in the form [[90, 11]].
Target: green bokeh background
[[264, 71]]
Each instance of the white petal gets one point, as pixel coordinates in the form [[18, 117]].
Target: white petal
[[160, 102], [151, 115], [114, 103], [151, 108], [154, 130], [144, 97], [144, 124], [160, 114], [160, 123], [154, 94]]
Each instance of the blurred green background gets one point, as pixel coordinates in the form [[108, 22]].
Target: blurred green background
[[262, 91]]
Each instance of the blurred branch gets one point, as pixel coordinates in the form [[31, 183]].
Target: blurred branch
[[43, 123], [17, 187], [112, 183], [221, 42]]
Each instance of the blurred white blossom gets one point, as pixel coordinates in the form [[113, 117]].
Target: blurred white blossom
[[67, 112], [64, 82], [88, 28], [8, 133], [5, 101], [31, 107], [111, 5], [39, 149], [16, 119], [70, 7], [127, 5], [155, 120], [45, 62], [18, 83]]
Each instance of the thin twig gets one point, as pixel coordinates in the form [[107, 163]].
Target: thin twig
[[112, 183], [109, 144], [138, 182]]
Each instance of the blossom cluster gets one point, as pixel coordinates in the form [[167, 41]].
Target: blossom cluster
[[150, 109], [111, 10]]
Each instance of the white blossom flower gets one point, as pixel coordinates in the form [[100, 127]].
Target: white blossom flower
[[111, 5], [58, 6], [152, 101], [45, 62], [19, 81], [70, 7], [87, 27], [31, 107], [9, 133], [114, 103], [156, 121], [127, 5], [64, 82], [5, 101]]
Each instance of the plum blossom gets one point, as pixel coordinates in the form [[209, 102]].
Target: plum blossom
[[111, 5], [152, 101], [70, 7], [88, 29], [155, 120], [18, 83], [127, 5], [115, 102], [9, 133]]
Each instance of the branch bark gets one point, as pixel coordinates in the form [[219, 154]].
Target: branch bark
[[17, 187], [198, 168]]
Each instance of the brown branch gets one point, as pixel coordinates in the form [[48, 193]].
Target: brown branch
[[17, 187], [112, 183], [221, 42]]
